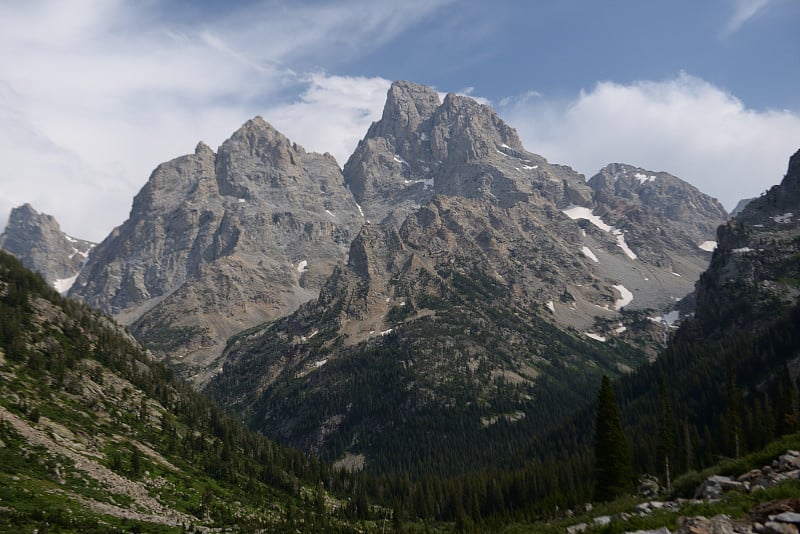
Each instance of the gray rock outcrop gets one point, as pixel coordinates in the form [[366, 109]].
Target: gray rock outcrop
[[457, 147], [219, 242], [37, 240]]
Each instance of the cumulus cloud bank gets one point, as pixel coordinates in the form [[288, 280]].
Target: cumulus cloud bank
[[684, 126], [95, 93]]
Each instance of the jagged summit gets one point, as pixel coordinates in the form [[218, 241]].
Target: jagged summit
[[219, 242], [638, 198], [781, 203], [38, 241], [755, 269], [458, 147]]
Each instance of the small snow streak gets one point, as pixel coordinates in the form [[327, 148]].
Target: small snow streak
[[626, 297], [62, 285], [623, 245], [589, 254], [580, 212]]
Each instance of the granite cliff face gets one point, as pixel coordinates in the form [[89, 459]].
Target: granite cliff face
[[484, 266], [219, 242], [216, 243], [37, 240], [422, 147], [755, 272]]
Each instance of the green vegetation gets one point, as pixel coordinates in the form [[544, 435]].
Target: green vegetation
[[613, 473], [95, 436]]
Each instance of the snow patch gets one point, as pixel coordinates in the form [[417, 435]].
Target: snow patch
[[360, 211], [62, 285], [400, 160], [551, 306], [668, 319], [302, 266], [623, 245], [742, 250], [620, 329], [579, 212], [312, 334], [427, 181], [423, 136], [626, 297], [70, 238], [596, 337], [385, 332], [643, 178], [708, 246], [589, 254], [530, 167], [242, 201], [329, 213], [505, 146], [783, 219], [320, 363]]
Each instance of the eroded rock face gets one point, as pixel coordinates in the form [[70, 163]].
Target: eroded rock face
[[755, 266], [37, 240], [468, 231], [217, 243], [457, 147]]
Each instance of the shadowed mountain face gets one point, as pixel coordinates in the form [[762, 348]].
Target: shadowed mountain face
[[40, 244], [216, 243]]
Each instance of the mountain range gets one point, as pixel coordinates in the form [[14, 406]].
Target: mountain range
[[503, 278], [440, 308]]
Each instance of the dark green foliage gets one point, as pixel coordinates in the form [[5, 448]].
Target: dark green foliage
[[52, 347], [613, 473]]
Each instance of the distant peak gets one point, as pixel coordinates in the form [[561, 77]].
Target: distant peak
[[25, 208], [202, 148], [409, 103]]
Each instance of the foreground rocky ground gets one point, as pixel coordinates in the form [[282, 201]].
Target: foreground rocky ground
[[773, 516]]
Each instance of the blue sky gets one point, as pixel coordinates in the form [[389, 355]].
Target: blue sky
[[95, 93]]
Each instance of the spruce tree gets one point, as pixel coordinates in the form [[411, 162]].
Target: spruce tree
[[665, 445], [613, 473]]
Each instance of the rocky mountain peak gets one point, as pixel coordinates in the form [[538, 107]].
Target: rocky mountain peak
[[259, 139], [755, 265], [216, 243], [458, 147], [780, 205], [465, 130], [38, 241], [633, 193], [203, 149], [407, 106]]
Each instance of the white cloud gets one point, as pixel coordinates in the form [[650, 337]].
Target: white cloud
[[743, 10], [96, 93], [684, 126], [332, 114]]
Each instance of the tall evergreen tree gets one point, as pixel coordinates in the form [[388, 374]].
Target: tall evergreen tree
[[665, 446], [613, 472]]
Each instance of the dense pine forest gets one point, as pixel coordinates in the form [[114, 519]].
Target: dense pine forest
[[716, 391]]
